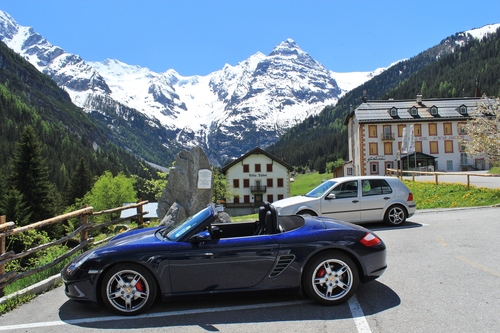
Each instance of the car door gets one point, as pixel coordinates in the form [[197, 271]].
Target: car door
[[221, 264], [342, 202], [376, 195]]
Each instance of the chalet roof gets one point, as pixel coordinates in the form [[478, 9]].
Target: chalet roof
[[257, 150], [380, 110]]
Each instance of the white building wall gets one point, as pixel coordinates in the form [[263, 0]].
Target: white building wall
[[258, 177]]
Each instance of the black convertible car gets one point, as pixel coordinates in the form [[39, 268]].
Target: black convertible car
[[323, 257]]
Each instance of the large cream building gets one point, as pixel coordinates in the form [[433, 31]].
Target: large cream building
[[376, 129]]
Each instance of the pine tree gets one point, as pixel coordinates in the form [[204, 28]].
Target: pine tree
[[29, 176], [80, 183]]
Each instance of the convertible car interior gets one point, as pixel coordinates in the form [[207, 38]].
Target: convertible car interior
[[269, 223]]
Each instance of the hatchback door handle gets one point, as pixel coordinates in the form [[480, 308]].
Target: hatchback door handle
[[355, 201], [387, 198]]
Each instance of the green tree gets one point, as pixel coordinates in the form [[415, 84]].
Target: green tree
[[29, 176], [80, 183], [110, 192]]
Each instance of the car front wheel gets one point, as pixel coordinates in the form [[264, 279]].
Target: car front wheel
[[331, 278], [395, 215], [128, 289]]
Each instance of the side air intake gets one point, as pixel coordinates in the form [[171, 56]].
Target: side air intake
[[282, 263]]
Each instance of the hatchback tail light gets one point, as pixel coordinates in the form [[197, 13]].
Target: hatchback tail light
[[410, 197], [370, 240]]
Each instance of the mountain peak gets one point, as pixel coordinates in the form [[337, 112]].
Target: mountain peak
[[287, 48]]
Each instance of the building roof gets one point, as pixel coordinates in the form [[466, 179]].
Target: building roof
[[257, 150], [380, 110]]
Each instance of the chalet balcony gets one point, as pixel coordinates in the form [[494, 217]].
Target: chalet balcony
[[388, 136], [258, 189]]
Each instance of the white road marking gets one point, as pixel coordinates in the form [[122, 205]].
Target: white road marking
[[148, 315], [358, 315], [354, 306]]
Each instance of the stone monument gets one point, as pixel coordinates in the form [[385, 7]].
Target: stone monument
[[189, 187]]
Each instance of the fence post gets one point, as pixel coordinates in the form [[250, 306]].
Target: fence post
[[2, 251], [84, 219], [140, 218]]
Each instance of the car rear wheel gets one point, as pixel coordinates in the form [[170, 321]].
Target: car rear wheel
[[128, 289], [395, 215], [331, 278]]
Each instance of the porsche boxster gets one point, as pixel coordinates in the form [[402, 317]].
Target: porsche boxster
[[323, 258]]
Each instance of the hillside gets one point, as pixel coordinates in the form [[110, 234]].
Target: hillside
[[28, 97], [445, 70]]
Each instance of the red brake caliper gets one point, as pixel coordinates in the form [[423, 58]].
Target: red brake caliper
[[321, 273], [139, 286]]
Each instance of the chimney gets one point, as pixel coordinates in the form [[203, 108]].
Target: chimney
[[419, 98]]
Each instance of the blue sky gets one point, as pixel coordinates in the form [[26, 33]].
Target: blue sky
[[200, 36]]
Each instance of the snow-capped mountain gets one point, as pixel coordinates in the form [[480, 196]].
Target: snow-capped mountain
[[226, 112]]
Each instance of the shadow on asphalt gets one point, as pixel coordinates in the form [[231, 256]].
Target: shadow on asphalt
[[381, 226], [374, 297]]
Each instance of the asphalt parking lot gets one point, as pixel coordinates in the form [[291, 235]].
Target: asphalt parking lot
[[443, 276]]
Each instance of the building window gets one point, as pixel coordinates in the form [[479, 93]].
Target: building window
[[280, 182], [236, 200], [236, 183], [388, 165], [462, 147], [463, 109], [373, 148], [461, 128], [269, 167], [269, 182], [246, 183], [417, 129], [373, 168], [246, 198], [463, 159], [414, 111], [387, 148], [270, 198], [394, 112], [448, 146], [433, 129], [418, 146], [447, 129], [280, 196], [372, 131], [257, 167], [434, 110], [400, 130], [246, 167], [387, 132], [433, 147]]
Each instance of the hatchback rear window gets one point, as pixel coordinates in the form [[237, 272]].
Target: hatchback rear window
[[375, 187]]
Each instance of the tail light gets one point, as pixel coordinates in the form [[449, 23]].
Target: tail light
[[410, 197], [370, 240]]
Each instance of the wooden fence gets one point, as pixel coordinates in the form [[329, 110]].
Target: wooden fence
[[9, 229], [400, 173]]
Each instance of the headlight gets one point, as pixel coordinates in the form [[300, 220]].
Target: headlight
[[78, 262]]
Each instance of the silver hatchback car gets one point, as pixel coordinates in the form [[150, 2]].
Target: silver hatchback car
[[354, 199]]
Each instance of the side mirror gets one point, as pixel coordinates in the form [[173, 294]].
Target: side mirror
[[331, 196], [200, 237]]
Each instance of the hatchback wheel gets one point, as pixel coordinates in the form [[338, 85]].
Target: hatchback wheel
[[128, 289], [395, 215], [331, 278]]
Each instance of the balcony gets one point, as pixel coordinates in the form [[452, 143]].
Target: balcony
[[258, 189], [388, 136]]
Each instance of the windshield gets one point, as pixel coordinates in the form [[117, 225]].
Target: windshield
[[190, 223], [321, 189]]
